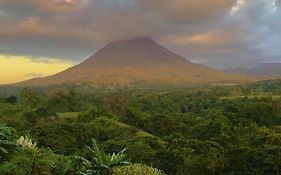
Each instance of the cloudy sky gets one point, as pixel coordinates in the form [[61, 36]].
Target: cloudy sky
[[41, 37]]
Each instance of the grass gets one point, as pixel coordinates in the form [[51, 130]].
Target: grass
[[144, 134], [140, 134], [68, 115]]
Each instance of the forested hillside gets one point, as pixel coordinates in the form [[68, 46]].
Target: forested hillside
[[196, 130]]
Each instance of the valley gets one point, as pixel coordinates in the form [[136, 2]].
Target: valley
[[199, 129], [140, 87]]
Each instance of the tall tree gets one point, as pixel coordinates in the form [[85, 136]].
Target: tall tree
[[29, 97]]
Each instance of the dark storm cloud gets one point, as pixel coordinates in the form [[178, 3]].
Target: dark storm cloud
[[216, 33]]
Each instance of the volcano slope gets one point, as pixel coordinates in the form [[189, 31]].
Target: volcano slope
[[137, 60]]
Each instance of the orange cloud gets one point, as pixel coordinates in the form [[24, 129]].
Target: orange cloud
[[62, 5], [213, 38]]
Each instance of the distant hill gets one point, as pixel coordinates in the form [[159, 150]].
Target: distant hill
[[136, 60], [263, 69]]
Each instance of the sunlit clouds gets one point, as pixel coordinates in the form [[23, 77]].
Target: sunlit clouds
[[217, 33], [17, 68], [239, 4]]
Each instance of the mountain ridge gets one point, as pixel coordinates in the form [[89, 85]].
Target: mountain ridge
[[263, 69], [133, 60]]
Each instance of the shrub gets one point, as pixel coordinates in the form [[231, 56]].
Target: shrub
[[5, 139], [26, 142], [137, 169], [29, 161], [11, 99]]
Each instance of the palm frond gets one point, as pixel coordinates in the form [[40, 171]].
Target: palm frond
[[84, 161], [101, 162], [5, 133], [3, 150], [7, 142], [119, 159]]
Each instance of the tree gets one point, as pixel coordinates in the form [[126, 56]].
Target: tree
[[5, 142], [29, 97], [11, 99], [62, 101], [195, 156], [70, 166], [101, 163], [117, 102]]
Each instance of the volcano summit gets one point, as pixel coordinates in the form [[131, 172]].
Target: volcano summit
[[136, 60]]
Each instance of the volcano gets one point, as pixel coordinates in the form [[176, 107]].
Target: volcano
[[136, 60]]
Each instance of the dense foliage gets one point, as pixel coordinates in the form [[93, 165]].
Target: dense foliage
[[207, 129]]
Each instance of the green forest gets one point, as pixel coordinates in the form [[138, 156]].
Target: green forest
[[141, 130]]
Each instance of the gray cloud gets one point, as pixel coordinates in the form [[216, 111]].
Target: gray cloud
[[219, 33]]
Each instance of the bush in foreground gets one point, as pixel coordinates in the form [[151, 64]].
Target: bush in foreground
[[137, 169]]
